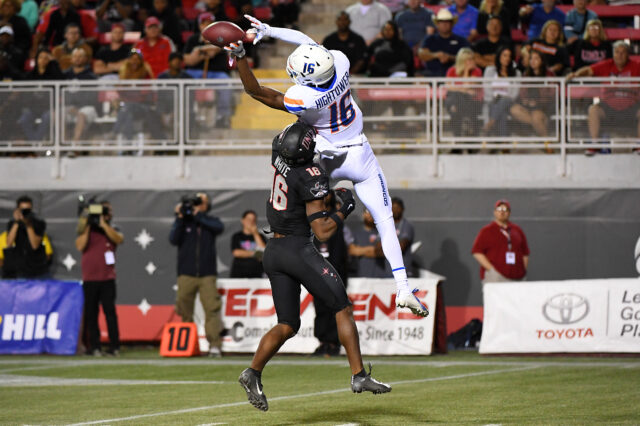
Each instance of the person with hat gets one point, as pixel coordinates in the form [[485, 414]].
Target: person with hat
[[170, 23], [15, 54], [204, 60], [438, 51], [155, 47], [111, 58], [21, 31], [501, 248]]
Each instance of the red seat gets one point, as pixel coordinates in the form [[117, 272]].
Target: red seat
[[130, 37], [518, 36], [622, 33], [606, 11]]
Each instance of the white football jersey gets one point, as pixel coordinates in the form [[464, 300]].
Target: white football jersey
[[332, 111]]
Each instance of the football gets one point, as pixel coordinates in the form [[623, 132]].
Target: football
[[223, 33]]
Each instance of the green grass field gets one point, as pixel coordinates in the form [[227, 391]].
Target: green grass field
[[462, 387]]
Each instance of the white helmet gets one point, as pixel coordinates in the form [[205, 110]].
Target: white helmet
[[310, 64]]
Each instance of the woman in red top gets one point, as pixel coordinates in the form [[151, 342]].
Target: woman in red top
[[464, 103], [535, 104]]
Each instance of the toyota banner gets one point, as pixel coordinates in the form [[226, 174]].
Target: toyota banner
[[562, 316], [248, 313]]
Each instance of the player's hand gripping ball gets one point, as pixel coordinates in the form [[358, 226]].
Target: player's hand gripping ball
[[348, 202]]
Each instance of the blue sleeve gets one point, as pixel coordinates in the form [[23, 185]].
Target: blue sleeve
[[176, 233], [211, 223]]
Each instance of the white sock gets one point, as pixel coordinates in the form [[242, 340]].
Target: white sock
[[393, 253]]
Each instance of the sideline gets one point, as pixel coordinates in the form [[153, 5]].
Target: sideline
[[306, 395]]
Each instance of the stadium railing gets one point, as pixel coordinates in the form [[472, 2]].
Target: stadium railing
[[419, 114]]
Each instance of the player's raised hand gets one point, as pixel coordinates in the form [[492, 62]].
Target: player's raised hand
[[348, 202], [236, 49], [262, 28]]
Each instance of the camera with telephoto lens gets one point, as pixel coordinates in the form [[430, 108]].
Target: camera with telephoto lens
[[93, 209], [188, 203]]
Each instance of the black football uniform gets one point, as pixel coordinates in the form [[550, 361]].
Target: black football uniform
[[293, 259]]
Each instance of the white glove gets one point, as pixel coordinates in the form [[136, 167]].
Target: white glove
[[264, 30], [236, 49]]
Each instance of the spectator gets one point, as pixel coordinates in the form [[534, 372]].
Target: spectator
[[501, 248], [8, 72], [29, 12], [24, 253], [110, 59], [21, 30], [486, 48], [618, 105], [97, 240], [111, 12], [499, 93], [135, 67], [204, 60], [490, 9], [81, 105], [365, 249], [367, 18], [593, 47], [176, 67], [194, 232], [467, 17], [535, 104], [335, 251], [537, 15], [215, 8], [551, 45], [155, 47], [284, 13], [88, 21], [414, 23], [438, 51], [463, 103], [575, 24], [35, 119], [389, 56], [168, 20], [394, 6], [15, 55], [58, 21], [62, 53], [247, 246], [349, 43], [405, 232]]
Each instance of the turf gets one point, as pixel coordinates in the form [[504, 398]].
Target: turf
[[462, 387]]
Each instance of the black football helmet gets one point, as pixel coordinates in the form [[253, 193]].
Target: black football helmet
[[295, 144]]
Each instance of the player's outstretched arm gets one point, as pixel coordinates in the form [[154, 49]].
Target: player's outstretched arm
[[324, 225], [266, 95], [284, 34]]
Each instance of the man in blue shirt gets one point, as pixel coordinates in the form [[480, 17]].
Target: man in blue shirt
[[576, 21], [414, 23], [438, 51], [536, 16], [467, 17]]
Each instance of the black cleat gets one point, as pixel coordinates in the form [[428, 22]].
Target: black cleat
[[368, 384], [252, 384]]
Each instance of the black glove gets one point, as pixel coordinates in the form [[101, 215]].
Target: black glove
[[346, 198]]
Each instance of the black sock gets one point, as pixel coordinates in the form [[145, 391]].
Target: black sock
[[361, 373], [258, 373]]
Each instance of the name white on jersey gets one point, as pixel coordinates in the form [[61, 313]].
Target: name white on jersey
[[332, 111]]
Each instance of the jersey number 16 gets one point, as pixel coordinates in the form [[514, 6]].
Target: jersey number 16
[[279, 188], [347, 113]]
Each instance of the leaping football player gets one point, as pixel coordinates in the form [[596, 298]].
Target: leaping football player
[[296, 206], [321, 98]]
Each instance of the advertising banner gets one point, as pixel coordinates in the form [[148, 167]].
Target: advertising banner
[[40, 316], [248, 313], [562, 316]]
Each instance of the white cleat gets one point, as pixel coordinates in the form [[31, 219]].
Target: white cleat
[[409, 300]]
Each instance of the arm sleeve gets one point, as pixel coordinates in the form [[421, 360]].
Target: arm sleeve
[[175, 236], [291, 36], [212, 223]]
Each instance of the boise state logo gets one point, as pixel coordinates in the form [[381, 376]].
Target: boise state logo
[[319, 190]]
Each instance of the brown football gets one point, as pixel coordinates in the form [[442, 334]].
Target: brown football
[[223, 33]]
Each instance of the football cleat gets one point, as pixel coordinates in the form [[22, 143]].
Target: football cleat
[[368, 384], [411, 301], [253, 386]]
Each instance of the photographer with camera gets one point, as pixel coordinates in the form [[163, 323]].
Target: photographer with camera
[[194, 233], [24, 252], [97, 240]]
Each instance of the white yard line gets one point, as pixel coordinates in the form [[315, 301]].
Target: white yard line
[[11, 380], [287, 397]]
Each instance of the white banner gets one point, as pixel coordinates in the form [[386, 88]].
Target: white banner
[[248, 313], [562, 316]]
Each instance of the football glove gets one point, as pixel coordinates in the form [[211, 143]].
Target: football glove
[[264, 30], [347, 200], [236, 49]]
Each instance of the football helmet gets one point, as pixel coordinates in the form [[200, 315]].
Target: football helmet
[[295, 144], [310, 65]]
